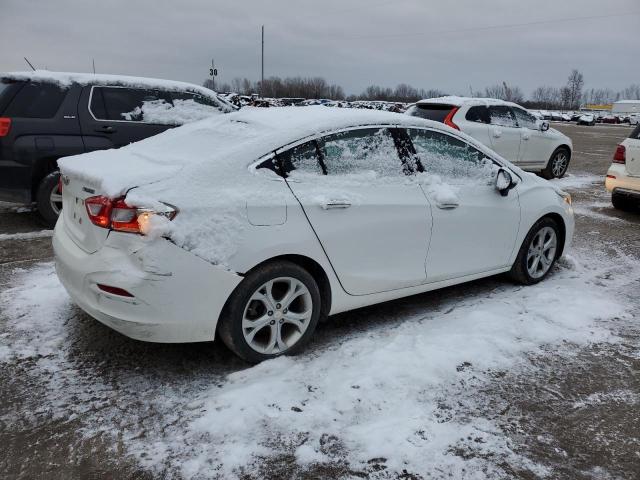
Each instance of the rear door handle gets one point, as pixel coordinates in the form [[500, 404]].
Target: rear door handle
[[448, 205], [106, 129], [335, 204], [497, 133]]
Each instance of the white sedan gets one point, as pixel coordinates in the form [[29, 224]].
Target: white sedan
[[254, 226]]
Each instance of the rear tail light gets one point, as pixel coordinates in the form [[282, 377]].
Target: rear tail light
[[114, 290], [117, 215], [5, 126], [621, 154], [448, 120]]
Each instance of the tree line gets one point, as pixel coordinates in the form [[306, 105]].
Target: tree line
[[566, 97]]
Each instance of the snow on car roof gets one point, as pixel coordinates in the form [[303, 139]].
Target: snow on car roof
[[66, 79], [219, 143], [460, 101]]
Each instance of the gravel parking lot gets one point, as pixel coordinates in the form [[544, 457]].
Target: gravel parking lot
[[81, 401]]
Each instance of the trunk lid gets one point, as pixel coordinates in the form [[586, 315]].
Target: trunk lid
[[77, 224]]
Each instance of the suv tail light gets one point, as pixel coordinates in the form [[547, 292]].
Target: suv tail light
[[117, 215], [5, 126], [448, 120], [621, 154]]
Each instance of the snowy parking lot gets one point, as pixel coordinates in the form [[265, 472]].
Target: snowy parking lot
[[483, 380]]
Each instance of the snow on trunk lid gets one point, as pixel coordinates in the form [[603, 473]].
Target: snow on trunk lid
[[77, 224]]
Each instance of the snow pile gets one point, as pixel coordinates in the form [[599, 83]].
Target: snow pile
[[178, 113], [574, 182], [385, 393]]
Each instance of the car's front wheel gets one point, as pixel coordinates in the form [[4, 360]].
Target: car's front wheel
[[538, 252], [557, 165], [49, 199], [274, 311]]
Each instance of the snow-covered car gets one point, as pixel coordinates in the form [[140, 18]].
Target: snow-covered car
[[634, 119], [254, 225], [506, 127], [623, 176], [587, 119]]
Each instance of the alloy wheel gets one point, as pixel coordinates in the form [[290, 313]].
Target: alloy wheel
[[542, 252], [559, 165], [55, 199], [277, 315]]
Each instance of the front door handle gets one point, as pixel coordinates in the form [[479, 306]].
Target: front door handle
[[106, 129], [335, 204], [497, 133]]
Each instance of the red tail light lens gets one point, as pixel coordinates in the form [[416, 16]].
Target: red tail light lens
[[99, 210], [117, 215], [448, 120], [621, 155], [5, 126], [114, 290]]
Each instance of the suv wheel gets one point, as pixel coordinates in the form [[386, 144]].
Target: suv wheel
[[274, 311], [557, 165], [538, 253], [49, 198]]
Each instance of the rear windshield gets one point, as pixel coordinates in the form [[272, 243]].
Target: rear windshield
[[37, 100], [436, 113], [636, 133]]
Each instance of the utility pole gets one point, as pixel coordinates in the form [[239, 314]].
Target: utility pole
[[213, 75], [262, 68], [93, 61]]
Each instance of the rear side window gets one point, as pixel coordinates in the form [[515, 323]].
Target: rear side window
[[37, 100], [436, 113], [361, 151], [201, 99], [636, 133], [478, 114], [448, 157], [303, 158], [502, 116], [124, 104]]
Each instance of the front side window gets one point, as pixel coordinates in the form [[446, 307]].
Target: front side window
[[448, 157], [124, 104], [361, 151], [37, 100], [502, 116], [525, 119]]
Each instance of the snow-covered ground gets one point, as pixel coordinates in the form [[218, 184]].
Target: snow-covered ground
[[385, 395]]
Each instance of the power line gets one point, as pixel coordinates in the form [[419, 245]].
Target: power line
[[490, 27]]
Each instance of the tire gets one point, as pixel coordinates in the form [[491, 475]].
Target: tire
[[620, 202], [279, 331], [46, 194], [523, 270], [558, 164]]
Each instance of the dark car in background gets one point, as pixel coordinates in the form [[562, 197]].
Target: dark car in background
[[48, 115]]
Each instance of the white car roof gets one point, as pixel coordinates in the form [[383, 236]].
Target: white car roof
[[460, 101], [222, 145]]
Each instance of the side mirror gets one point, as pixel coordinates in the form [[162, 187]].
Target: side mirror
[[543, 125], [504, 182]]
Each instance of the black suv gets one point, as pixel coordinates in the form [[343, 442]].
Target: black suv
[[45, 116]]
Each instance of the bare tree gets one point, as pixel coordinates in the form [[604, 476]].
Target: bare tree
[[574, 86]]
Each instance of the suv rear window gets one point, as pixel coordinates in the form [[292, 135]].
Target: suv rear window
[[431, 112], [37, 100], [636, 133], [123, 104]]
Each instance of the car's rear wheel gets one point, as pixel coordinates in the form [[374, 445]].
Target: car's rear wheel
[[558, 164], [274, 311], [49, 199], [538, 252]]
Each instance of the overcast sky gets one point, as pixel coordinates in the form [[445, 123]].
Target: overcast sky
[[450, 45]]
